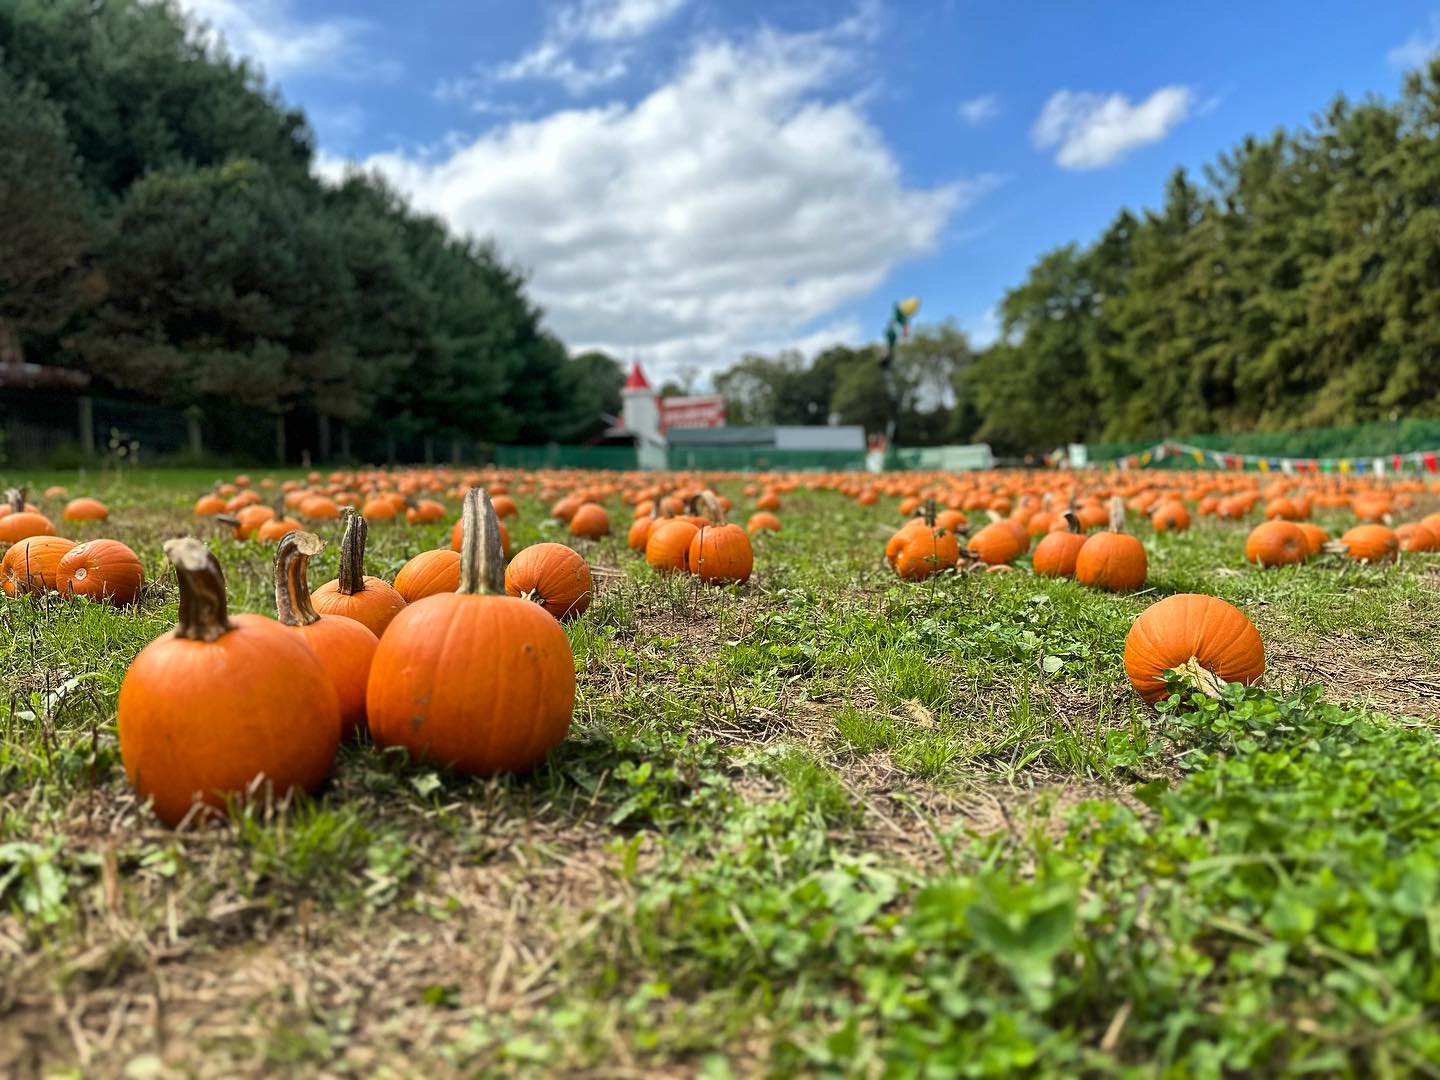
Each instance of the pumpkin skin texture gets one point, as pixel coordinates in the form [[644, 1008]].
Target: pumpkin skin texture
[[429, 573], [639, 532], [553, 576], [206, 710], [368, 600], [1279, 542], [475, 680], [668, 547], [85, 509], [1055, 555], [1167, 634], [1366, 543], [721, 554], [102, 570], [1315, 537], [925, 551], [343, 646], [1416, 537], [32, 565]]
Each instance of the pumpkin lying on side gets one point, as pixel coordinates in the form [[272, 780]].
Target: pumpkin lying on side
[[368, 600], [224, 708], [554, 576], [102, 570], [473, 679], [32, 565], [1211, 639]]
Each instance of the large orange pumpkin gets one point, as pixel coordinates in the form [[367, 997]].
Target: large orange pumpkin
[[368, 600], [102, 570], [474, 679], [32, 565], [553, 576], [1169, 634], [345, 647], [223, 708]]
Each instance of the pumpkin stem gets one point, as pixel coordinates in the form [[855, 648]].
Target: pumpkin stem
[[1073, 520], [292, 592], [203, 615], [706, 504], [352, 552], [15, 497], [928, 511], [482, 559], [1046, 501], [1117, 514]]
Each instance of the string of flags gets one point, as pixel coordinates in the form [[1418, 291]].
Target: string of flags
[[1427, 461]]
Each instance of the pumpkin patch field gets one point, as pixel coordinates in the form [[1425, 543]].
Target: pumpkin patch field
[[454, 771]]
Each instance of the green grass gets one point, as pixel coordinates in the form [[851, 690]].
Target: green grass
[[829, 823]]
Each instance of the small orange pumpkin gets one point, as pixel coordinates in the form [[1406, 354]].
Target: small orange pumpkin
[[344, 646], [554, 576], [368, 600], [1056, 553], [1112, 560], [32, 565], [668, 546], [1363, 543], [762, 521], [23, 520], [590, 522], [1277, 542], [85, 509], [995, 544], [102, 570]]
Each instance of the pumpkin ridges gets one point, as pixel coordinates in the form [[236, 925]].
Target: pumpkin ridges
[[1216, 633], [554, 576], [104, 570]]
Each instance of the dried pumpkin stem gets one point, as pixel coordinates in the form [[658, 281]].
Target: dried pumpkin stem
[[292, 591], [1117, 514], [482, 559], [203, 610], [1072, 519], [352, 552], [929, 511], [15, 498]]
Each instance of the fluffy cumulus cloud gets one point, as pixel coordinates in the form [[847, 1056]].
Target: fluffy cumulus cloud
[[1091, 131], [978, 110], [270, 33], [737, 206], [1418, 48], [599, 29]]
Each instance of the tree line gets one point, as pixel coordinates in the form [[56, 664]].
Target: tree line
[[1296, 284], [161, 229]]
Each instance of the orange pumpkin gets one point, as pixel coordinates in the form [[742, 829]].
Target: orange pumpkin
[[668, 546], [209, 504], [1315, 537], [1170, 517], [425, 512], [345, 647], [429, 573], [553, 576], [590, 522], [1112, 560], [995, 544], [1169, 634], [32, 565], [22, 520], [223, 708], [722, 554], [102, 570], [762, 521], [1416, 537], [85, 509], [1055, 555], [1363, 543], [1278, 542], [921, 550], [368, 600], [474, 679]]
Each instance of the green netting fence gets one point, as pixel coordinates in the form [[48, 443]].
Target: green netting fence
[[1359, 442], [705, 458]]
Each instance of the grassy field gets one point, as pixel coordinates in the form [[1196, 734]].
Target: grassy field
[[829, 823]]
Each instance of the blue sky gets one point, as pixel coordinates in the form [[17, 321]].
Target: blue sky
[[686, 180]]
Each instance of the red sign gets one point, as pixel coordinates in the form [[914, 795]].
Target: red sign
[[678, 412]]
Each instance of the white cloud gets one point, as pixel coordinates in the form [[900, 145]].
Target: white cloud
[[983, 330], [600, 27], [1418, 48], [978, 110], [1095, 130], [269, 32], [735, 207]]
